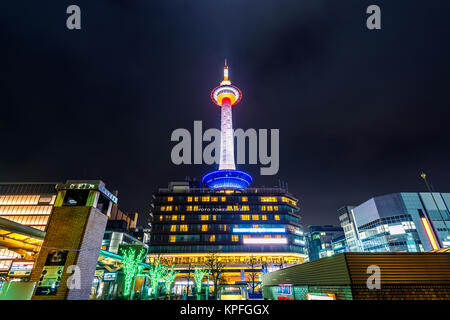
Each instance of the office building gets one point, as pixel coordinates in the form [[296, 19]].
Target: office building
[[320, 240], [345, 276], [407, 221], [29, 205]]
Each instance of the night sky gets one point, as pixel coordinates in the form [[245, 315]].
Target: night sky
[[361, 113]]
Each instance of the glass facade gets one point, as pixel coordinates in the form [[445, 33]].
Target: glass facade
[[30, 204], [404, 222], [263, 224], [320, 241]]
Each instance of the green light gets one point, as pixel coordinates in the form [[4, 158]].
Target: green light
[[169, 279], [130, 263], [198, 277]]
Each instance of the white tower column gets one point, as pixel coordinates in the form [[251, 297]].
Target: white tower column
[[226, 137]]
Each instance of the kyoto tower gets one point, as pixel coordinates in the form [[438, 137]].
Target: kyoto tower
[[226, 96]]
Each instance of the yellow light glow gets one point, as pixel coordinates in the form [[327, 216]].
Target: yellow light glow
[[429, 233]]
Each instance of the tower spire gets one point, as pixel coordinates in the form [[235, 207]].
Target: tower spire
[[226, 96]]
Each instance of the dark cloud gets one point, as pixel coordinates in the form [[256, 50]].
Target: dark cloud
[[360, 112]]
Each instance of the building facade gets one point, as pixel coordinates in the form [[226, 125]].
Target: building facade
[[320, 241], [239, 226], [28, 204], [412, 222], [404, 276], [347, 221]]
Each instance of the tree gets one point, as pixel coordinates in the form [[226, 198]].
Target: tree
[[215, 268], [188, 277], [252, 262], [199, 274], [130, 263], [169, 279], [157, 271]]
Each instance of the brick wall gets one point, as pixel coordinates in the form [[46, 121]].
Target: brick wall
[[65, 231]]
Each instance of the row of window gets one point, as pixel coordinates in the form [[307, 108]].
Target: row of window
[[25, 210], [33, 221], [223, 199], [26, 199], [257, 260], [207, 217], [218, 227], [224, 208]]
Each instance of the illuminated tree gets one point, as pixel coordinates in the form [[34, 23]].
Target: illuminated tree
[[130, 263], [157, 272], [169, 279], [198, 277]]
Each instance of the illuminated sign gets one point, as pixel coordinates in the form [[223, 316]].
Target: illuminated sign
[[20, 268], [88, 186], [320, 296], [260, 230], [109, 276], [265, 241]]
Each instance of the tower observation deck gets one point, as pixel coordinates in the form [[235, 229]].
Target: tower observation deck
[[226, 96]]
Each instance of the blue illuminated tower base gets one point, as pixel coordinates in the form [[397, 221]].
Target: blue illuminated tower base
[[227, 179]]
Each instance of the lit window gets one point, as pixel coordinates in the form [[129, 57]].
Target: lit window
[[275, 208], [195, 208], [214, 217], [212, 238], [276, 217], [204, 227], [182, 218], [169, 208], [189, 199], [204, 217], [214, 199], [229, 208], [189, 208], [234, 238], [196, 199], [245, 217], [205, 199], [160, 218], [174, 218], [223, 199], [269, 208], [244, 199], [173, 228], [268, 199], [255, 217], [169, 199], [224, 227], [183, 227], [172, 238], [263, 208], [163, 208], [284, 199]]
